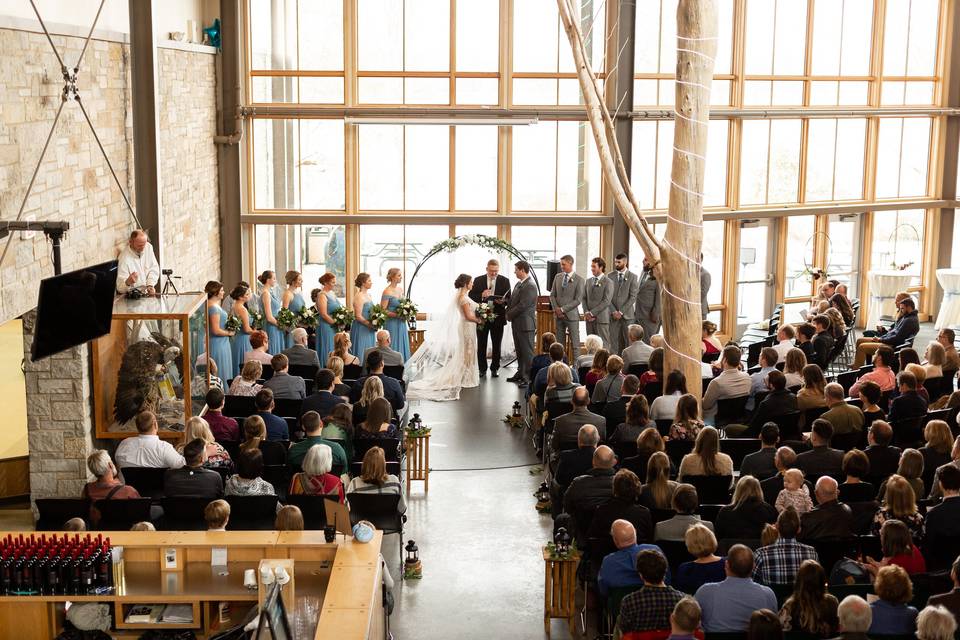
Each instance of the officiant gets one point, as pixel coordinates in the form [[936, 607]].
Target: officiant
[[493, 288]]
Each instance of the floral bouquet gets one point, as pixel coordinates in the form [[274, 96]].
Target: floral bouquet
[[233, 324], [256, 320], [286, 319], [307, 317], [378, 316], [406, 310], [342, 318], [485, 313]]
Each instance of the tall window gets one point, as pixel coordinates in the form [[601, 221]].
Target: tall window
[[909, 52], [903, 152], [540, 244], [555, 168], [898, 242]]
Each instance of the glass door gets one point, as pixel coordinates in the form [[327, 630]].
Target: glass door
[[755, 276], [843, 251]]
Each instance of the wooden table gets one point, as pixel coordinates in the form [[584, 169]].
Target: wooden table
[[559, 589]]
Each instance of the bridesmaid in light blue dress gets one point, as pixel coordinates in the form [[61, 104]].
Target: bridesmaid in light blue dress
[[399, 331], [292, 299], [362, 333], [327, 303], [271, 306], [241, 294], [220, 351]]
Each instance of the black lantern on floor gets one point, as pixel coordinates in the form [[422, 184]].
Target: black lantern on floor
[[543, 493], [411, 564], [516, 409]]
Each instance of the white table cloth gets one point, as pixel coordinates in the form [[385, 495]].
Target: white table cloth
[[884, 286], [949, 313]]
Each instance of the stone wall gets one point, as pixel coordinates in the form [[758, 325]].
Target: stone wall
[[188, 167]]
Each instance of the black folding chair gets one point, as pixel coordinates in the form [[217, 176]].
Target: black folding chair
[[53, 513], [120, 515], [277, 475], [810, 415], [711, 489], [239, 407], [267, 372], [653, 390], [313, 509], [394, 371], [789, 425], [676, 449], [287, 407], [148, 481], [908, 432], [390, 446], [352, 371], [381, 511], [624, 448], [393, 468], [731, 410], [638, 368], [739, 448], [305, 371], [183, 514], [252, 512], [847, 380], [676, 553]]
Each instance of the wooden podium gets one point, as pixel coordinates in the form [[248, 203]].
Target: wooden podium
[[547, 323]]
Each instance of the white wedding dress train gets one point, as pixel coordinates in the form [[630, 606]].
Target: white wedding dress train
[[447, 360]]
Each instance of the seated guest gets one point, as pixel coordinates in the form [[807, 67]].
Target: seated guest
[[260, 343], [795, 494], [378, 423], [686, 421], [856, 467], [911, 469], [936, 451], [706, 565], [339, 426], [216, 455], [598, 368], [747, 513], [223, 428], [951, 359], [823, 341], [107, 485], [778, 402], [955, 454], [728, 605], [247, 481], [784, 459], [891, 613], [658, 490], [665, 407], [335, 364], [576, 462], [147, 449], [764, 625], [936, 623], [805, 334], [615, 411], [936, 357], [374, 478], [882, 375], [560, 384], [391, 357], [566, 427], [143, 526], [854, 616], [821, 460], [619, 569], [760, 464], [884, 458], [217, 514], [900, 503], [538, 387], [392, 390], [711, 344], [341, 349], [591, 344], [904, 329], [685, 620], [623, 506], [793, 368], [844, 418], [192, 480], [706, 459], [289, 518], [731, 383], [277, 428], [312, 427], [246, 383], [951, 599], [300, 355], [655, 372], [638, 351], [372, 389], [609, 388], [284, 385], [316, 479], [779, 562], [543, 359], [636, 419], [811, 393], [898, 548], [650, 607], [75, 525], [758, 380], [943, 520], [870, 395], [685, 504], [324, 400], [829, 519], [590, 490], [909, 404], [785, 336], [648, 442], [810, 609]]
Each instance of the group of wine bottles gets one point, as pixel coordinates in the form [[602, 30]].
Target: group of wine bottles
[[55, 565]]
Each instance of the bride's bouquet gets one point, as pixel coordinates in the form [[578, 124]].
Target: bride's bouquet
[[233, 324], [286, 319], [256, 320], [406, 310], [485, 312], [342, 318], [378, 316], [307, 317]]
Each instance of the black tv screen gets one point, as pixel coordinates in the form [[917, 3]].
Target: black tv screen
[[73, 308]]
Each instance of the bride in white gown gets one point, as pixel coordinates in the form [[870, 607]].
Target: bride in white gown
[[447, 360]]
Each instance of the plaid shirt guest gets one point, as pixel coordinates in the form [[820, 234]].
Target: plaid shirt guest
[[779, 562], [648, 609]]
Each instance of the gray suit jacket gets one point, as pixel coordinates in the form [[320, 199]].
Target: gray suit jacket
[[391, 358], [648, 300], [300, 355], [568, 299], [567, 426], [597, 295], [705, 280], [625, 295], [522, 307], [638, 352], [286, 386]]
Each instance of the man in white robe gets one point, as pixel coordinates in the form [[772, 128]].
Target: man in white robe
[[138, 267]]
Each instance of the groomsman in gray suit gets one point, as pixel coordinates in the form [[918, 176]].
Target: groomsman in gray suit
[[522, 314], [597, 294], [705, 281], [624, 303], [566, 293], [648, 302]]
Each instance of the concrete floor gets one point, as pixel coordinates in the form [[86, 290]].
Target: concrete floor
[[479, 535]]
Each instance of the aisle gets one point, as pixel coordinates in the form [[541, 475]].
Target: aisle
[[478, 533]]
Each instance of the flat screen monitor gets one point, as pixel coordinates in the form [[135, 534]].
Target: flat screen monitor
[[74, 308]]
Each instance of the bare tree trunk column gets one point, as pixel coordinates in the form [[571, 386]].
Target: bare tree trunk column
[[680, 258]]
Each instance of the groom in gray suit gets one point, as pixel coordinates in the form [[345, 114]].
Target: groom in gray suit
[[624, 303], [566, 293], [522, 314], [597, 293]]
